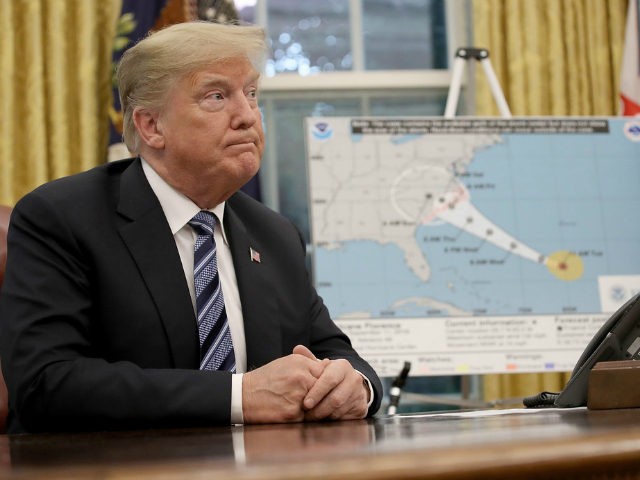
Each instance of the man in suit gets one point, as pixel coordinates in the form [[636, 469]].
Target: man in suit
[[98, 312]]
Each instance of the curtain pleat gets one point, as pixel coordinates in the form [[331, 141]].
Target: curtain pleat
[[55, 89], [7, 102], [29, 141], [58, 84], [552, 57], [558, 71]]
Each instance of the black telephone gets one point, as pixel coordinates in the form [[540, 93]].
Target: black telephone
[[617, 339]]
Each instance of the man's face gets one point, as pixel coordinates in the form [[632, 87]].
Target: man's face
[[212, 131]]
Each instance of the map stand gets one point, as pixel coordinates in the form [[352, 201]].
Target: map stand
[[481, 55]]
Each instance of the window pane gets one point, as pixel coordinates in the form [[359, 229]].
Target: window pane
[[308, 36], [426, 104], [404, 34]]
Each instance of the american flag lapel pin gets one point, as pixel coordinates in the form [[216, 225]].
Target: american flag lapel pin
[[254, 255]]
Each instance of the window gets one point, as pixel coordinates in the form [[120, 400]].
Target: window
[[346, 35]]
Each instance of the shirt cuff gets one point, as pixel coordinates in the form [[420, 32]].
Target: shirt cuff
[[368, 383], [236, 399]]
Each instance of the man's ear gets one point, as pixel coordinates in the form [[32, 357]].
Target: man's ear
[[148, 127]]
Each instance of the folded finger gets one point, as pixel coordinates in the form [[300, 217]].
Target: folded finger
[[332, 375]]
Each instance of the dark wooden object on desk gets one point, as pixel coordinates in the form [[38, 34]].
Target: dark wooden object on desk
[[614, 385], [545, 444]]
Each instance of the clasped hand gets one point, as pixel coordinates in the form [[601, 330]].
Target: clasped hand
[[301, 387]]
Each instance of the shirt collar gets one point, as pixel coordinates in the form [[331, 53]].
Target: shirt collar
[[177, 207]]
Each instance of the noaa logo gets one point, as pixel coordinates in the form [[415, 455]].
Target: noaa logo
[[322, 130], [632, 130], [617, 293]]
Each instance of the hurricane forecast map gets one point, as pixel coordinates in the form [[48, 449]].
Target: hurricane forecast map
[[474, 245]]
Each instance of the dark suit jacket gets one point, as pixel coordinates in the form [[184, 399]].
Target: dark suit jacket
[[97, 328]]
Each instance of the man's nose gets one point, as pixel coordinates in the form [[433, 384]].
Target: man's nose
[[243, 112]]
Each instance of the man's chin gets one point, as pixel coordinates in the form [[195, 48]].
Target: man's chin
[[249, 166]]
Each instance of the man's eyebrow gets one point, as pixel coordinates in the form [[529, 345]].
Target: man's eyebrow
[[213, 80]]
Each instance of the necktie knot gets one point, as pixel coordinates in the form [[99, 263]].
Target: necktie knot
[[203, 222]]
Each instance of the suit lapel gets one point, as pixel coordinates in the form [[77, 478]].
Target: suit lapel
[[259, 304], [149, 240]]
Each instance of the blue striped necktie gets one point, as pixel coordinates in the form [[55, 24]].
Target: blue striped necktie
[[216, 347]]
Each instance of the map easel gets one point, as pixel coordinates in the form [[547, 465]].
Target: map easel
[[481, 55]]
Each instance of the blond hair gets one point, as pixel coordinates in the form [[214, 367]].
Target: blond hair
[[148, 70]]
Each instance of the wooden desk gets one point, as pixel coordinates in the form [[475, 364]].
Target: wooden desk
[[550, 444]]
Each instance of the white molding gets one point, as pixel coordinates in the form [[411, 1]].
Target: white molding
[[357, 34], [396, 79]]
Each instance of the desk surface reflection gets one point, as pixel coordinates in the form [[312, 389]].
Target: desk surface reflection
[[553, 443]]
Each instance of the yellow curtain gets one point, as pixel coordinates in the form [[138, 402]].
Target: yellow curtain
[[55, 89], [552, 58]]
